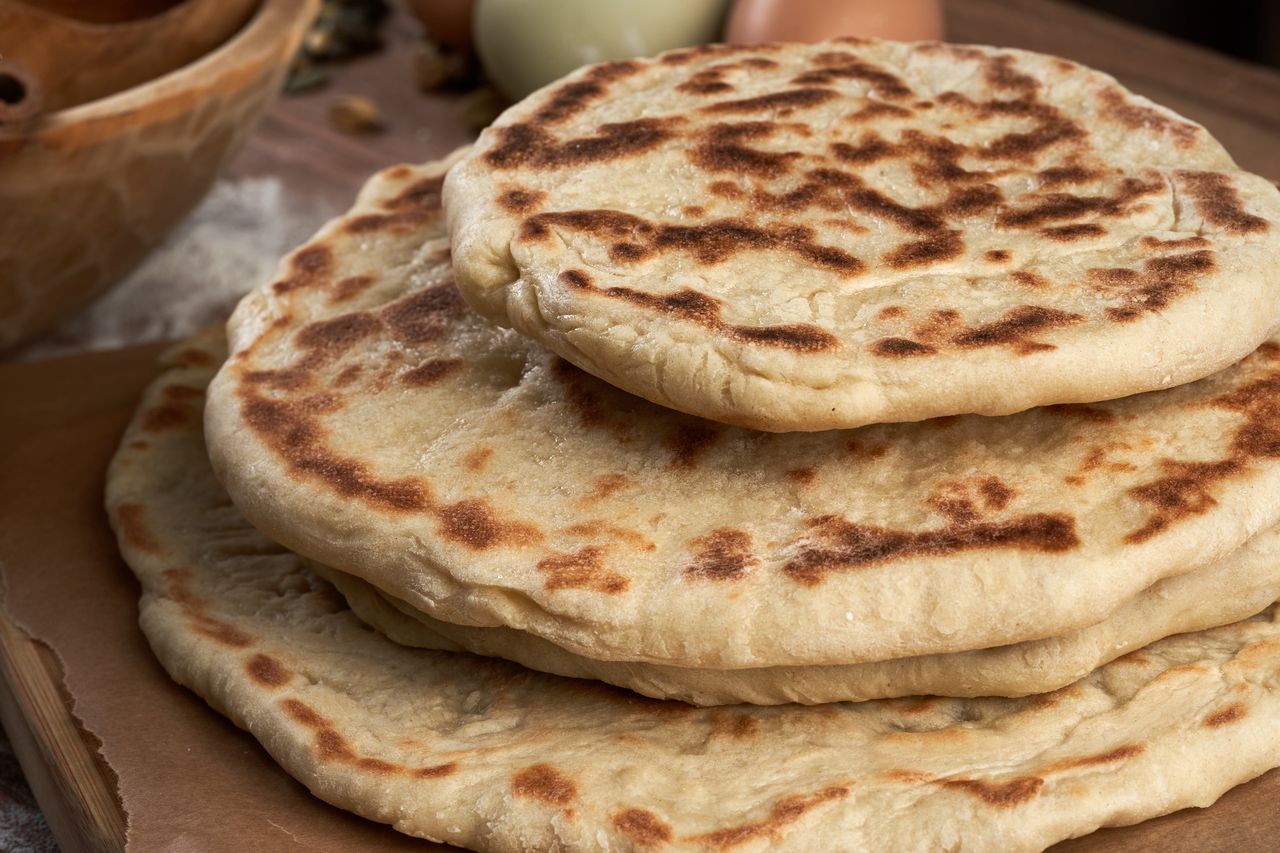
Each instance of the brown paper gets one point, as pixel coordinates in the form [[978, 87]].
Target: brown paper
[[188, 780]]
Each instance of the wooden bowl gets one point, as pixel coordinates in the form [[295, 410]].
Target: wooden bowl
[[86, 192]]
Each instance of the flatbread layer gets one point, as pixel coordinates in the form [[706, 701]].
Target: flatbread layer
[[487, 755], [369, 421], [806, 237]]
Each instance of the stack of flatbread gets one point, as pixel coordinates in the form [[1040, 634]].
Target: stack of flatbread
[[854, 446]]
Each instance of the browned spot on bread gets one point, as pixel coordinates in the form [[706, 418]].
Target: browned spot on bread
[[784, 100], [134, 530], [1182, 492], [722, 148], [1054, 207], [1127, 111], [942, 246], [696, 307], [525, 145], [711, 80], [293, 432], [335, 337], [722, 554], [424, 195], [1120, 753], [348, 288], [802, 476], [785, 811], [1075, 410], [521, 200], [891, 312], [900, 348], [694, 211], [430, 372], [347, 375], [307, 268], [1069, 233], [1029, 279], [477, 459], [1218, 202], [139, 445], [423, 316], [399, 173], [1051, 128], [329, 742], [996, 256], [688, 441], [642, 826], [841, 65], [267, 671], [582, 569], [1227, 714], [1070, 174], [435, 771], [996, 494], [1000, 72], [878, 109], [1184, 489], [164, 417], [841, 545], [472, 522], [1015, 329], [1195, 241], [607, 485], [178, 587], [219, 631], [545, 783], [1001, 795], [1162, 280], [686, 55], [598, 528], [571, 98]]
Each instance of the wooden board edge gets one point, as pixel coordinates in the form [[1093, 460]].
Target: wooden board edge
[[71, 782]]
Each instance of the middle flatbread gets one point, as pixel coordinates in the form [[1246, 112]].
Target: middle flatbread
[[367, 420], [1234, 588]]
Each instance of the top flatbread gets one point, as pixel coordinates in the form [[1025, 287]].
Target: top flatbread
[[801, 237], [368, 421]]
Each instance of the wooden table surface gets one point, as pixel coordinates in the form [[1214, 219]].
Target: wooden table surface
[[1238, 102]]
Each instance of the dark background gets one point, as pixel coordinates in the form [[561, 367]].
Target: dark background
[[1248, 30]]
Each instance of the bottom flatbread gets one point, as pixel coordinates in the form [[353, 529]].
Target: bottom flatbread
[[492, 756]]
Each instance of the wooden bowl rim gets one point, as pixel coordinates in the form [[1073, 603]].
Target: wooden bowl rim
[[266, 31]]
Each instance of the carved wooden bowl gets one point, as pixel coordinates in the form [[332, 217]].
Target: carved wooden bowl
[[87, 191]]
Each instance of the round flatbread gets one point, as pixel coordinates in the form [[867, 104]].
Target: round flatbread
[[367, 420], [488, 755], [806, 237], [1234, 588]]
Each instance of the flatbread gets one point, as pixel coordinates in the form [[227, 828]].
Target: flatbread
[[487, 755], [805, 237], [1236, 587], [370, 422]]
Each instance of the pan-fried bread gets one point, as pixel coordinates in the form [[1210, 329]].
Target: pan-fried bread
[[1236, 587], [806, 237], [490, 756], [367, 420]]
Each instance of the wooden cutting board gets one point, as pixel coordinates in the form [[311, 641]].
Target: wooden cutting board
[[187, 778]]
